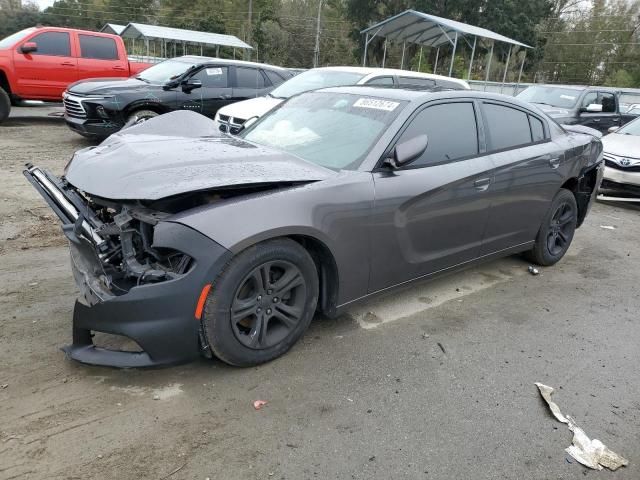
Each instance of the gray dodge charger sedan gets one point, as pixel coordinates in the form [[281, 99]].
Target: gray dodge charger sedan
[[189, 242]]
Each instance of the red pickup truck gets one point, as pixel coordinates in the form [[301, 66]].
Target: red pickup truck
[[39, 63]]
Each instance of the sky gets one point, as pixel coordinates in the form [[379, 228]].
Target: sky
[[42, 4]]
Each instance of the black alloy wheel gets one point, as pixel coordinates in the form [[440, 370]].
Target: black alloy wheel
[[561, 229], [556, 231], [261, 303], [268, 304]]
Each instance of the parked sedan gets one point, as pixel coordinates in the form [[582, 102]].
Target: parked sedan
[[99, 107], [622, 163], [188, 241], [231, 118]]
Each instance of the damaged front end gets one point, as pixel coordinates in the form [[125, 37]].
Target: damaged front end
[[139, 274]]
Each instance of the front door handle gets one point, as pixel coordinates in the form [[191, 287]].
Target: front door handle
[[482, 184], [554, 162], [224, 97], [117, 67], [67, 64]]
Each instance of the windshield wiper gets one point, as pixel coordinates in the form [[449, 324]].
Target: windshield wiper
[[138, 77], [273, 96]]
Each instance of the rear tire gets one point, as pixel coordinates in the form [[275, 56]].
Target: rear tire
[[557, 230], [5, 105], [261, 303]]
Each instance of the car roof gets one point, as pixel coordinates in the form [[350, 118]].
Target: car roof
[[421, 96], [391, 71], [199, 59], [587, 87]]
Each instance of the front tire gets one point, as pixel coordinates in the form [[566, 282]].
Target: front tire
[[5, 105], [262, 303], [557, 230], [139, 116]]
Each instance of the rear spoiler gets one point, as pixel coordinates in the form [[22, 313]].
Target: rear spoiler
[[582, 129]]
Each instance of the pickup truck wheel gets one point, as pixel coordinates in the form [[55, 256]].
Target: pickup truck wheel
[[5, 105], [139, 116], [262, 302], [556, 231]]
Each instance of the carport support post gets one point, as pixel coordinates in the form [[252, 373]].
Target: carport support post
[[384, 53], [453, 54], [506, 69], [366, 44], [473, 53], [486, 78], [404, 44], [520, 74], [435, 65], [420, 58]]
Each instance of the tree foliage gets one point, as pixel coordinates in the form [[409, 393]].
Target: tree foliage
[[575, 41]]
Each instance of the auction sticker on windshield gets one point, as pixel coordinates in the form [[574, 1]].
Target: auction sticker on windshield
[[376, 104]]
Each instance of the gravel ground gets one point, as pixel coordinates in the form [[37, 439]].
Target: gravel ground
[[434, 382]]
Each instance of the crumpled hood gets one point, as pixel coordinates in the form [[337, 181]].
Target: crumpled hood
[[254, 107], [180, 152], [622, 145]]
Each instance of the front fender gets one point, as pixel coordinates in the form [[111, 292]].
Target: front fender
[[336, 212]]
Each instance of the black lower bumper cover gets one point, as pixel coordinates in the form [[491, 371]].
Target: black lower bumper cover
[[159, 317], [92, 127]]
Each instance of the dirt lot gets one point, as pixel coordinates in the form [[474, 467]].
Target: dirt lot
[[435, 382]]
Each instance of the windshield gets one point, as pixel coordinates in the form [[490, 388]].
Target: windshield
[[554, 96], [632, 128], [315, 79], [165, 71], [15, 37], [334, 130]]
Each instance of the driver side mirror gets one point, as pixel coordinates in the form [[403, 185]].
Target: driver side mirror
[[191, 84], [28, 47], [406, 152], [594, 108]]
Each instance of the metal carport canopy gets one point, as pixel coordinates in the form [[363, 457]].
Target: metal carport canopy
[[431, 31], [193, 37]]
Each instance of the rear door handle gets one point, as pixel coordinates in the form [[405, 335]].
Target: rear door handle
[[554, 162], [67, 64], [482, 184], [224, 97]]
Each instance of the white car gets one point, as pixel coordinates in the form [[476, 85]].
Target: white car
[[230, 118], [622, 163]]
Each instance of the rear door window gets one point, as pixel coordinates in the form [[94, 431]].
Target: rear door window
[[56, 44], [508, 127], [451, 131], [99, 48], [249, 78]]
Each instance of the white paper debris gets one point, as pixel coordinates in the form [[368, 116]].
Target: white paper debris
[[591, 453], [608, 227]]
